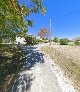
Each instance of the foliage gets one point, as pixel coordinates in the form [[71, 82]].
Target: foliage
[[64, 41], [13, 16], [40, 41], [77, 43], [30, 39], [71, 43], [44, 33], [55, 39]]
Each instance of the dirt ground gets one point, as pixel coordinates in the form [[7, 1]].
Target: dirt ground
[[68, 58], [72, 52]]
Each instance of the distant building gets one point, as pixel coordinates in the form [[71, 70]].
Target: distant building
[[76, 39]]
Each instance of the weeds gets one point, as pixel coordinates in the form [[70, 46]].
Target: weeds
[[10, 63], [69, 64]]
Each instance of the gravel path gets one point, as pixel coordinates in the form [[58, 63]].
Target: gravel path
[[36, 75]]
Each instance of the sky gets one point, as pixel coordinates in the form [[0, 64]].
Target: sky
[[65, 15]]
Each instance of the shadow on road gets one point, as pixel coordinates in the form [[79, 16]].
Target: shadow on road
[[32, 56], [24, 79], [22, 83]]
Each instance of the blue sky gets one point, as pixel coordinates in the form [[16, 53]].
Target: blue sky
[[67, 26]]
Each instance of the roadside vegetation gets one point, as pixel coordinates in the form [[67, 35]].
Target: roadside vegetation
[[55, 39], [68, 58], [64, 41], [32, 40], [77, 43], [10, 63]]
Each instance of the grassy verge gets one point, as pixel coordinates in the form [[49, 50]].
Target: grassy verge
[[10, 63], [69, 63]]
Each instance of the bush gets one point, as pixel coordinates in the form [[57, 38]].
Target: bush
[[71, 43], [64, 41], [55, 39], [39, 41], [77, 43], [30, 40]]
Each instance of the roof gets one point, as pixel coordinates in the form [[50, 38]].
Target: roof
[[76, 39]]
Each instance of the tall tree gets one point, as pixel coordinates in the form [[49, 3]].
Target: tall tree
[[43, 33], [13, 15]]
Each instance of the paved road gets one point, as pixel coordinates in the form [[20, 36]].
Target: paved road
[[36, 74]]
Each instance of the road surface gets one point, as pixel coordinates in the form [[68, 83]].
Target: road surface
[[36, 74]]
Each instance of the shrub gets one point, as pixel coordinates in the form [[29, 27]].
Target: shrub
[[77, 43], [71, 43], [55, 39], [39, 41], [31, 40], [64, 41]]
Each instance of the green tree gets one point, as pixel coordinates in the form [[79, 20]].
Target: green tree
[[55, 39], [30, 39], [64, 41], [13, 15]]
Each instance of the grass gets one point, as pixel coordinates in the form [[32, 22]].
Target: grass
[[10, 64], [68, 58]]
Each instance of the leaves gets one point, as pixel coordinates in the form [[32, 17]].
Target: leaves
[[12, 16], [44, 33], [30, 22], [55, 39]]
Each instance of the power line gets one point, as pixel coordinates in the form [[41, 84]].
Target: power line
[[68, 14]]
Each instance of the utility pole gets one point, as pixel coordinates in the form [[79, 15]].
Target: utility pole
[[50, 29]]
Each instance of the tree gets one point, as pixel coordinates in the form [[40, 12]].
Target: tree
[[44, 33], [64, 41], [13, 15], [30, 39], [55, 39]]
